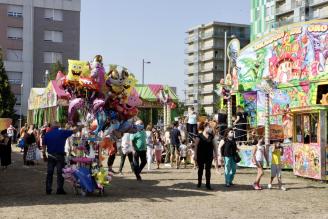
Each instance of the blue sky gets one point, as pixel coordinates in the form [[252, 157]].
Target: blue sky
[[126, 31]]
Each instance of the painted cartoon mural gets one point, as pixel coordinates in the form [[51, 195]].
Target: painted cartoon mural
[[307, 160], [293, 62]]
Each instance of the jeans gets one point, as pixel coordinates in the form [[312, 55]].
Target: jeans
[[229, 169], [130, 157], [208, 165], [55, 160], [138, 168]]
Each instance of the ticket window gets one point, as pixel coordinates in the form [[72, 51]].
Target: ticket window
[[306, 128]]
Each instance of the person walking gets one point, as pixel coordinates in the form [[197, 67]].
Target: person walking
[[127, 151], [175, 136], [11, 132], [229, 149], [167, 145], [54, 145], [30, 146], [150, 145], [5, 149], [140, 149], [205, 147], [158, 147]]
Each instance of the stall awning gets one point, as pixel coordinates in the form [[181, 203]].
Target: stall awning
[[150, 92]]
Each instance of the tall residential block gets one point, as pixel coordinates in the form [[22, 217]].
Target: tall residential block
[[271, 14], [205, 61], [34, 34]]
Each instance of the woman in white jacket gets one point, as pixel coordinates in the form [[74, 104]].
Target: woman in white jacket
[[127, 150]]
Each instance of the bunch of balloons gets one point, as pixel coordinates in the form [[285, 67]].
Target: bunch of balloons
[[100, 100]]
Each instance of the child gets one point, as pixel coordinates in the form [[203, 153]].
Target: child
[[158, 148], [277, 152], [183, 153], [259, 153]]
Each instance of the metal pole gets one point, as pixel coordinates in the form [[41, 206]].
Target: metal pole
[[143, 71], [225, 54], [20, 108], [229, 113]]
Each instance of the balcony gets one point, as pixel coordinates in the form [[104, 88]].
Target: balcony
[[283, 9], [317, 2], [189, 103], [208, 58], [191, 49], [206, 91], [284, 22], [191, 60], [190, 39], [215, 46], [206, 79], [190, 71], [319, 14], [191, 80], [206, 102]]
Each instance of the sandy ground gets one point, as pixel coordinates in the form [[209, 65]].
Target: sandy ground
[[164, 193]]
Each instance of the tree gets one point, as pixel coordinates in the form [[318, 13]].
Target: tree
[[7, 98], [54, 68], [202, 111]]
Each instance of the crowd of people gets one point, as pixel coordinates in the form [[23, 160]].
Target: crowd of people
[[186, 141]]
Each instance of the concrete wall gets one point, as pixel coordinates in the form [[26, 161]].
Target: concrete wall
[[70, 47]]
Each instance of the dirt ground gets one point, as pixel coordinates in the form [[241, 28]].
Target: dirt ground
[[164, 193]]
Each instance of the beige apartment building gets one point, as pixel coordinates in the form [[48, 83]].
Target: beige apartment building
[[205, 61], [33, 35]]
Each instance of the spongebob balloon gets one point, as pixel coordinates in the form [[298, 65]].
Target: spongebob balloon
[[77, 69]]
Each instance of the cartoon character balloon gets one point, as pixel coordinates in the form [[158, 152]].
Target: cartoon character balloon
[[77, 69]]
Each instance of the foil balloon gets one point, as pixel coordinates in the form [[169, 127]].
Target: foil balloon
[[98, 71], [97, 105], [77, 69], [74, 105]]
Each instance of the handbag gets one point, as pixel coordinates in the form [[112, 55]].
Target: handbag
[[236, 158]]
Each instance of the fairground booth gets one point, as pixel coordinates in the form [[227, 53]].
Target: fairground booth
[[158, 103], [47, 105], [282, 81]]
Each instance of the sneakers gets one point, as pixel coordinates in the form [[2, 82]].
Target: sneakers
[[283, 188], [269, 186], [257, 187]]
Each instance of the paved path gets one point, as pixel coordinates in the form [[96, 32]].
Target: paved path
[[164, 193]]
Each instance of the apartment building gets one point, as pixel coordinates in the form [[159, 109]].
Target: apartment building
[[34, 34], [270, 14], [205, 61]]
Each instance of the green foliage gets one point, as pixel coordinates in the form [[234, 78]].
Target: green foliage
[[7, 98], [54, 68], [202, 111]]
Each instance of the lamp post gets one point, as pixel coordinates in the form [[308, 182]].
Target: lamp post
[[143, 70], [20, 108], [46, 75]]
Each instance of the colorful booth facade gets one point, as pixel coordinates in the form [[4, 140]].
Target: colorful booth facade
[[290, 65], [156, 108], [47, 104]]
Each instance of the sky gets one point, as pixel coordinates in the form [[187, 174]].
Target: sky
[[126, 31]]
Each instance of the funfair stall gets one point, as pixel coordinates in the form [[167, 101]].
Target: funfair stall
[[292, 64]]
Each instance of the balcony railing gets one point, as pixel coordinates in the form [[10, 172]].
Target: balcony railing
[[285, 8], [319, 14], [206, 102], [191, 80], [316, 2], [190, 39], [206, 91], [215, 46], [191, 49], [285, 21]]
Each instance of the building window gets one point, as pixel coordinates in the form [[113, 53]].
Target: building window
[[52, 57], [14, 77], [15, 11], [15, 33], [53, 36], [53, 14], [14, 55]]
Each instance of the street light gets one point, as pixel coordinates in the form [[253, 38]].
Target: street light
[[143, 70], [20, 109], [46, 77]]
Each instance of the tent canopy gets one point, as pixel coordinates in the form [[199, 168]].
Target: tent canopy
[[151, 92]]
